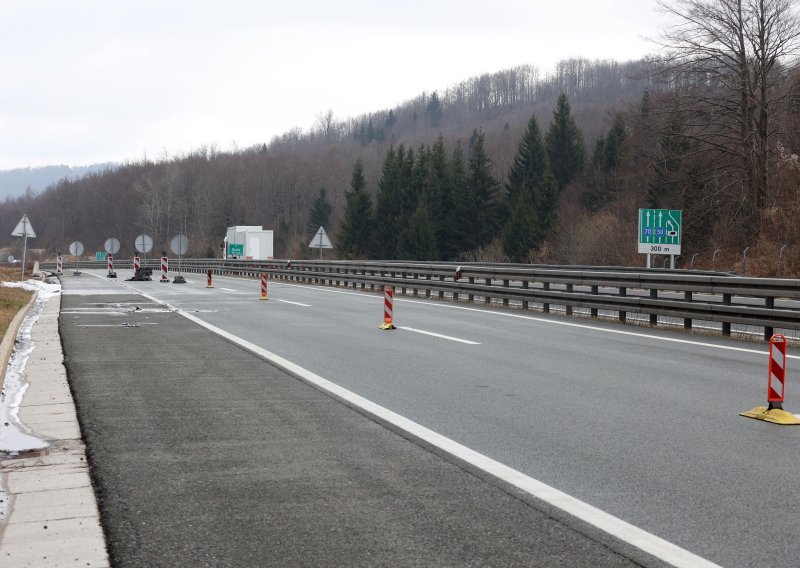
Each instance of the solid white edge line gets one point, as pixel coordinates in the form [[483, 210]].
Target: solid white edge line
[[439, 335], [614, 526]]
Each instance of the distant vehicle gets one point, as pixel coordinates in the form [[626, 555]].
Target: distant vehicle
[[247, 242]]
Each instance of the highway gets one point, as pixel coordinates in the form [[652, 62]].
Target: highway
[[641, 424]]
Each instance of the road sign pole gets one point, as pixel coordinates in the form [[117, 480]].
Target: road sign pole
[[24, 251]]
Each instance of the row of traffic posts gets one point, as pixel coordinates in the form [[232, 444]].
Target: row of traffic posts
[[141, 273]]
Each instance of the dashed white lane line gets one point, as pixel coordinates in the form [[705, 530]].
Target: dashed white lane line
[[294, 303], [552, 322], [439, 335]]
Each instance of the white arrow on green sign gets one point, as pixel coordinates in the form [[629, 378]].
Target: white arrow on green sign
[[660, 231]]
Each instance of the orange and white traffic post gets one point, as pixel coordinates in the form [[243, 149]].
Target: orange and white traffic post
[[210, 272], [264, 278], [776, 383], [388, 308], [110, 264], [164, 269]]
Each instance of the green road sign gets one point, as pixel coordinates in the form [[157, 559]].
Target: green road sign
[[660, 231], [100, 256], [235, 250]]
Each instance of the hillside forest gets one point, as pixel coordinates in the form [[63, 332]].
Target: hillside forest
[[519, 166]]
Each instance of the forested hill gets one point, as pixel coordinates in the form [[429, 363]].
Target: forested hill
[[517, 165], [275, 184]]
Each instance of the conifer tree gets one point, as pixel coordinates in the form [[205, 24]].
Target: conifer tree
[[531, 185], [481, 213], [605, 160], [419, 178], [388, 207], [418, 239], [546, 202], [321, 210], [530, 163], [458, 185], [434, 110], [355, 234], [521, 231], [439, 192], [407, 196], [564, 141]]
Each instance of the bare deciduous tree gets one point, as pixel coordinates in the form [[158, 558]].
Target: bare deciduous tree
[[730, 62]]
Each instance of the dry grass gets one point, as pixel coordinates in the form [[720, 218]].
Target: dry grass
[[12, 300]]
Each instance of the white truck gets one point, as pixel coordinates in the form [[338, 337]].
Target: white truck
[[247, 242]]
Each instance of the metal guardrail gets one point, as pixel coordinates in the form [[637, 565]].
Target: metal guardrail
[[686, 295]]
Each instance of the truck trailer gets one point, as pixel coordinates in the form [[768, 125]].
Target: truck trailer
[[248, 242]]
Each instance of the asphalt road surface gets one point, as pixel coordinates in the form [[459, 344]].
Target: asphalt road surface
[[205, 455], [641, 423]]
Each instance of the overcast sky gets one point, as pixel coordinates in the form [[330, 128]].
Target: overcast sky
[[83, 82]]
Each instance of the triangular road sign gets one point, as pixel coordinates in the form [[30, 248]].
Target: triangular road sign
[[23, 228], [320, 240]]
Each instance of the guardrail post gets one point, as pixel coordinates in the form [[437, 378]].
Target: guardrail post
[[524, 302], [486, 298], [506, 284], [769, 303], [654, 296], [428, 289], [687, 322], [569, 308], [440, 294], [471, 297], [726, 325], [545, 305], [623, 315], [593, 311]]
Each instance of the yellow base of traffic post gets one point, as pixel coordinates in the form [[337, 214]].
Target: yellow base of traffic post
[[776, 415], [386, 326], [263, 298]]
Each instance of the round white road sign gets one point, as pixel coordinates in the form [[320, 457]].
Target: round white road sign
[[76, 248], [112, 246], [179, 244], [144, 243]]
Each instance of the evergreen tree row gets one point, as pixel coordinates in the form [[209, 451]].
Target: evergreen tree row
[[434, 205]]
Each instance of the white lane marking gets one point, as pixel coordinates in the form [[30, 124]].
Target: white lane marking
[[554, 322], [438, 335], [616, 527], [538, 319], [231, 290], [294, 303]]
